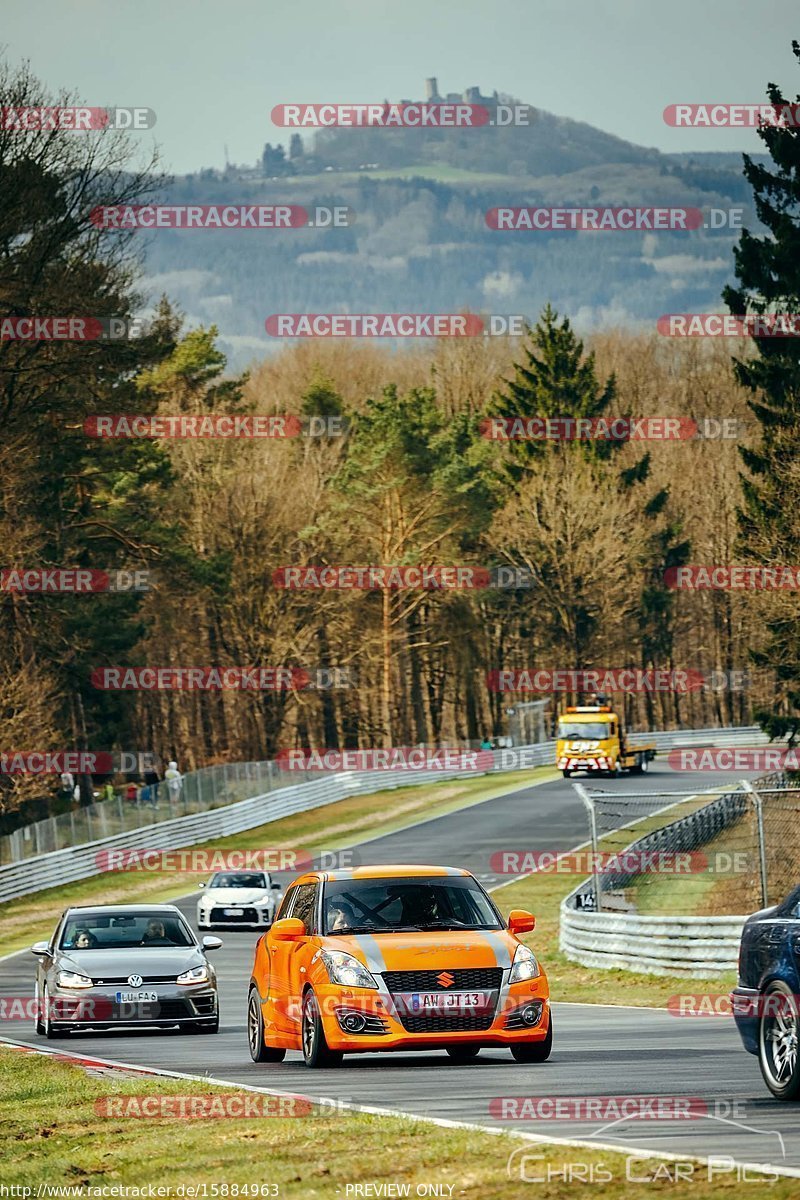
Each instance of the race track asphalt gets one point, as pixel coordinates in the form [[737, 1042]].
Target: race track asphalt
[[599, 1051]]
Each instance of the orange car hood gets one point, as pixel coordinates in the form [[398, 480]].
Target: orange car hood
[[427, 951]]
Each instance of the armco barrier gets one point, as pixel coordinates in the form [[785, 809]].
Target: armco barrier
[[691, 946], [79, 862]]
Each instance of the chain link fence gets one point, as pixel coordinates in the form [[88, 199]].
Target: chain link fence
[[724, 851], [201, 791]]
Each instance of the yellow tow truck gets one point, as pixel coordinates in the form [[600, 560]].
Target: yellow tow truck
[[591, 738]]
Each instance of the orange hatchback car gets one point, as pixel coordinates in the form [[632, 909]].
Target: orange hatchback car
[[395, 958]]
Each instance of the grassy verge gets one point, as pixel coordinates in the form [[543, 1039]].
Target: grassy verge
[[543, 892], [333, 826], [54, 1111]]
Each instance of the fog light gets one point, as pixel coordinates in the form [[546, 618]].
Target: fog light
[[531, 1014], [353, 1022]]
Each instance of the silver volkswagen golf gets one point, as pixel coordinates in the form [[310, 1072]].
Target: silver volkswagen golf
[[112, 966]]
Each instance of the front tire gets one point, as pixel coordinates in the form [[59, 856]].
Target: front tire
[[778, 1032], [259, 1052], [316, 1051], [38, 1022], [535, 1052], [50, 1029]]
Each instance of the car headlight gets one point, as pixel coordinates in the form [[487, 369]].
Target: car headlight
[[195, 975], [348, 971], [71, 979], [525, 965]]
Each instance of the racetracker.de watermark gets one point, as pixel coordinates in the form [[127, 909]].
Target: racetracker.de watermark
[[611, 1108], [213, 425], [732, 116], [374, 577], [402, 115], [73, 119], [41, 328], [75, 762], [624, 862], [386, 758], [618, 679], [73, 580], [77, 1008], [618, 220], [609, 429], [208, 861], [211, 1107], [763, 759], [395, 325], [219, 216], [221, 679], [730, 578], [727, 1004], [753, 325]]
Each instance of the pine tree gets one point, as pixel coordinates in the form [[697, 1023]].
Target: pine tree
[[556, 379], [768, 273]]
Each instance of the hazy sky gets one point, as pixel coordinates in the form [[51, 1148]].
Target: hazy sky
[[213, 72]]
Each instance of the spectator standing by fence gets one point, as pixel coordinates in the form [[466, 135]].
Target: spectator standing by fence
[[152, 780], [174, 782]]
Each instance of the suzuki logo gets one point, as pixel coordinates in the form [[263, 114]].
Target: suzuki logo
[[445, 979], [135, 980]]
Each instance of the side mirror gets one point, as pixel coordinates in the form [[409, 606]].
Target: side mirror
[[288, 929], [520, 921], [201, 885], [40, 949], [212, 943], [276, 887]]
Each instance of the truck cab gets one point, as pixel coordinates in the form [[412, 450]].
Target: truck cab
[[592, 738]]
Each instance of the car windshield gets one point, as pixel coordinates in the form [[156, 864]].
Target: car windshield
[[583, 729], [239, 879], [104, 931], [395, 905]]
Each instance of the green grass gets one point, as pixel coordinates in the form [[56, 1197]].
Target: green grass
[[331, 827], [52, 1132]]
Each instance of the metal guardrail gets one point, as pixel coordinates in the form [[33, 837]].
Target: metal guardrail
[[273, 796], [691, 946]]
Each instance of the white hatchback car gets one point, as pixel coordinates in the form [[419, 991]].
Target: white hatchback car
[[246, 899]]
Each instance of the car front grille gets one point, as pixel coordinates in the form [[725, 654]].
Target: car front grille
[[434, 1022], [459, 979], [248, 916], [169, 1010], [122, 980], [466, 979]]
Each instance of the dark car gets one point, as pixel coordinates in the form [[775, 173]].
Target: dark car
[[766, 1002], [110, 966]]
